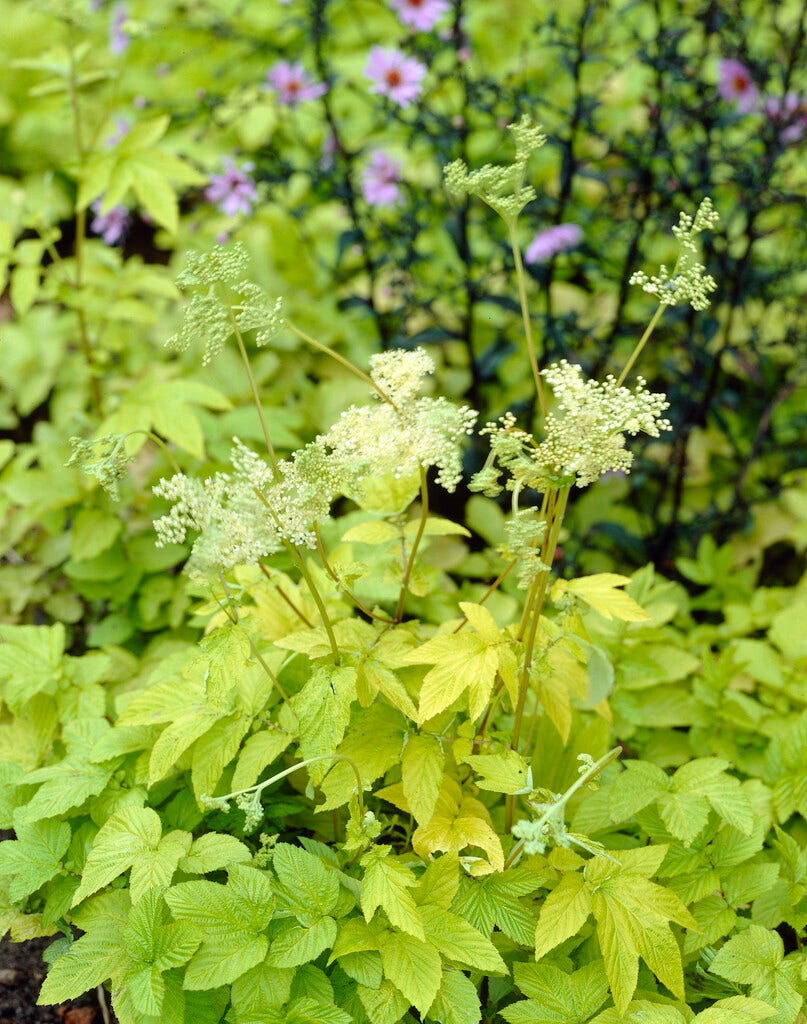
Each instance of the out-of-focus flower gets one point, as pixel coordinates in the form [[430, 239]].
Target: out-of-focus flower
[[735, 85], [421, 15], [233, 191], [380, 180], [395, 75], [292, 84], [549, 243], [112, 225], [118, 36], [122, 128], [790, 112]]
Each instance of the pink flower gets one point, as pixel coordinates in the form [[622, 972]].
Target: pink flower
[[234, 190], [112, 225], [790, 111], [118, 36], [394, 75], [379, 183], [421, 15], [122, 128], [735, 85], [549, 243], [292, 84]]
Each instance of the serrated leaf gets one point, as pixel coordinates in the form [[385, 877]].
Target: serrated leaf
[[300, 944], [735, 1010], [156, 867], [35, 856], [746, 955], [601, 593], [308, 888], [213, 851], [89, 962], [413, 966], [459, 941], [503, 772], [220, 963], [131, 833], [322, 708], [459, 821], [259, 751], [313, 1011], [439, 883], [564, 912], [456, 1002], [374, 532], [386, 884], [460, 660], [382, 1003], [556, 997], [422, 767]]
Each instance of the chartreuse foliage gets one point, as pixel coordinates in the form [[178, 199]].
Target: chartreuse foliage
[[383, 786]]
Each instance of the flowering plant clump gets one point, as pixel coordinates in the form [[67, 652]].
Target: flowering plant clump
[[297, 726]]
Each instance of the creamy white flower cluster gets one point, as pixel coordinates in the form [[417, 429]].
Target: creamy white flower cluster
[[243, 516], [688, 281], [501, 187], [581, 445], [589, 439]]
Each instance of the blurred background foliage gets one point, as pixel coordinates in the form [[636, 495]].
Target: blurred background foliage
[[639, 127]]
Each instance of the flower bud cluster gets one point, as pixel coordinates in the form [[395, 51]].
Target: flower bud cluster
[[688, 281], [502, 188], [105, 458]]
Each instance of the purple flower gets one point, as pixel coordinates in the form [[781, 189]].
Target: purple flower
[[394, 75], [112, 225], [379, 183], [735, 85], [789, 111], [234, 191], [292, 84], [421, 15], [122, 129], [549, 243], [118, 36]]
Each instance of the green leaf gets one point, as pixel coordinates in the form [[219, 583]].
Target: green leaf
[[459, 941], [260, 989], [735, 1010], [220, 962], [322, 708], [383, 1004], [413, 966], [296, 944], [305, 885], [422, 767], [312, 1011], [65, 785], [461, 660], [156, 867], [563, 913], [89, 962], [35, 856], [706, 777], [259, 751], [600, 593], [556, 997], [213, 851], [503, 772], [386, 884], [439, 883], [30, 662], [456, 1001], [131, 833], [746, 955], [635, 788]]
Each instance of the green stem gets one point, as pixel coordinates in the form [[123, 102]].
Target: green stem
[[303, 764], [410, 562], [159, 442], [342, 360], [232, 615], [320, 603], [255, 396], [285, 597], [641, 344], [525, 315], [348, 594]]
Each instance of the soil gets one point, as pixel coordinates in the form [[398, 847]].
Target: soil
[[22, 971]]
